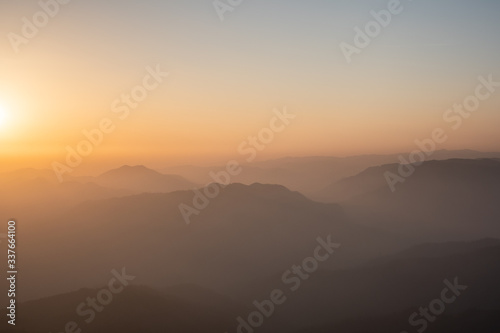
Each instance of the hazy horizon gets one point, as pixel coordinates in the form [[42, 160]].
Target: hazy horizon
[[250, 166], [225, 78]]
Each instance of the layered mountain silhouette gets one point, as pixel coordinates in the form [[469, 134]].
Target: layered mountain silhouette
[[310, 174], [382, 293], [395, 248], [141, 179], [443, 200], [386, 293], [266, 227], [46, 196], [135, 309]]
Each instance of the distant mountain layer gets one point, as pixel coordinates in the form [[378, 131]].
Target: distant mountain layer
[[374, 178], [443, 200], [311, 174], [396, 249], [245, 233], [46, 196], [142, 179]]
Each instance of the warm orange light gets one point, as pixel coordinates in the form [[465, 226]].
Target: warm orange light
[[4, 115]]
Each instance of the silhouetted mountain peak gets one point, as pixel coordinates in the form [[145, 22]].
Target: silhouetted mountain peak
[[264, 191], [130, 170]]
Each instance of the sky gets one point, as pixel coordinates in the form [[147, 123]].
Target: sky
[[227, 76]]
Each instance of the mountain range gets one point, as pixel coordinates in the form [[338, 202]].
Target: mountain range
[[394, 249]]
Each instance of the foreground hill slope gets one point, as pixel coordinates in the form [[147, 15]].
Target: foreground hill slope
[[135, 309], [394, 289]]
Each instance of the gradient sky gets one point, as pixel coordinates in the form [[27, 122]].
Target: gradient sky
[[226, 78]]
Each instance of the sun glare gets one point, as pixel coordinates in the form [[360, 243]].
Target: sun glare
[[3, 115]]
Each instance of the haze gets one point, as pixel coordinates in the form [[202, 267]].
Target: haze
[[226, 78]]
